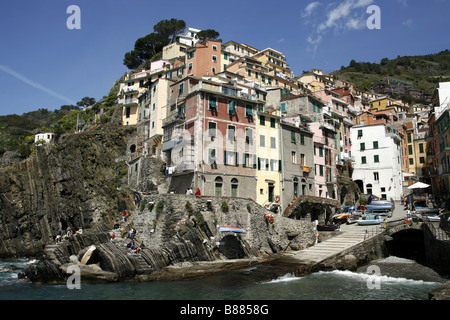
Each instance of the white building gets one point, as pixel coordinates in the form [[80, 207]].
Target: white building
[[189, 37], [45, 136], [377, 151]]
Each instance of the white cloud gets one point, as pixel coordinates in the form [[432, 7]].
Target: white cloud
[[403, 2], [35, 84], [343, 16], [408, 23], [310, 8]]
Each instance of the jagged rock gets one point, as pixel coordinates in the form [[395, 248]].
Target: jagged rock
[[88, 254]]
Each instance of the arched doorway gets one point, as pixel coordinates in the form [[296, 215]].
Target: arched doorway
[[234, 187], [218, 186]]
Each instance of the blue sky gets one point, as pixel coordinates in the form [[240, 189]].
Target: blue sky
[[43, 64]]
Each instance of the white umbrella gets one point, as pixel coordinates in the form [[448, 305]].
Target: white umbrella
[[419, 185]]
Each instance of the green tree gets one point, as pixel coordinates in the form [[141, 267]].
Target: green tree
[[149, 46], [168, 29], [208, 34], [86, 102]]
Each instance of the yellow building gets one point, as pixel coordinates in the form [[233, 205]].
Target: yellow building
[[131, 88], [274, 61], [386, 103], [268, 182]]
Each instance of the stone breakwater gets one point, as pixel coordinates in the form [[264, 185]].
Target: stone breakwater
[[178, 237]]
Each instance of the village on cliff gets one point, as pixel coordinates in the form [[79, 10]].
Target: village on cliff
[[230, 120]]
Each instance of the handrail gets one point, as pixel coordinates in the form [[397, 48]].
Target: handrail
[[439, 233]]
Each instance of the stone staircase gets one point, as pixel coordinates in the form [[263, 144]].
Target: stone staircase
[[330, 247]]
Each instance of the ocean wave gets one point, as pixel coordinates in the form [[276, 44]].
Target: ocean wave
[[288, 277], [374, 277]]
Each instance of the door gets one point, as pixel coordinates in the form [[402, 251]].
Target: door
[[271, 192], [234, 190], [218, 189]]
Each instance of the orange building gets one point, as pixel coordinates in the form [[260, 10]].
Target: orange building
[[204, 59]]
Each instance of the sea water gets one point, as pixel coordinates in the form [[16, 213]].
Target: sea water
[[396, 279]]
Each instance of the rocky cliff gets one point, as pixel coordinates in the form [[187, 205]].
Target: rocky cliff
[[177, 237], [73, 184], [87, 180]]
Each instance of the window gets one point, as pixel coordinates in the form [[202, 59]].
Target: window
[[212, 156], [181, 88], [231, 158], [190, 66], [321, 152], [262, 120], [363, 146], [225, 56], [409, 138], [248, 110], [376, 176], [212, 129], [190, 55], [410, 150], [249, 136], [376, 158], [273, 165], [422, 159], [214, 58], [293, 136], [321, 170], [273, 143], [232, 107], [283, 107], [272, 122], [249, 73], [212, 103], [294, 157], [375, 144], [363, 160], [262, 141], [231, 132], [421, 149], [411, 161], [360, 133], [249, 160], [302, 139]]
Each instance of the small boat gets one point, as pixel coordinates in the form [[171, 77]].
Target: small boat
[[372, 207], [330, 227], [232, 229], [369, 220], [340, 218], [380, 202], [426, 210], [434, 218], [352, 219]]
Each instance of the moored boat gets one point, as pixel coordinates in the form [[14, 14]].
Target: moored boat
[[370, 219]]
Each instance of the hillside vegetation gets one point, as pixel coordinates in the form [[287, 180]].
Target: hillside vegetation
[[425, 72]]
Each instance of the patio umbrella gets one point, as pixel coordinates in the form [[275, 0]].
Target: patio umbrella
[[419, 185]]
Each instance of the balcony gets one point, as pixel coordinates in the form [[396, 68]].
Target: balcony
[[128, 90], [327, 126], [174, 117], [130, 102], [180, 168]]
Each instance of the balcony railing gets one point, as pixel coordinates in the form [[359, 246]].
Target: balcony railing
[[132, 101]]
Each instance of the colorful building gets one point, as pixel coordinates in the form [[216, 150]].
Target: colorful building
[[205, 138]]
